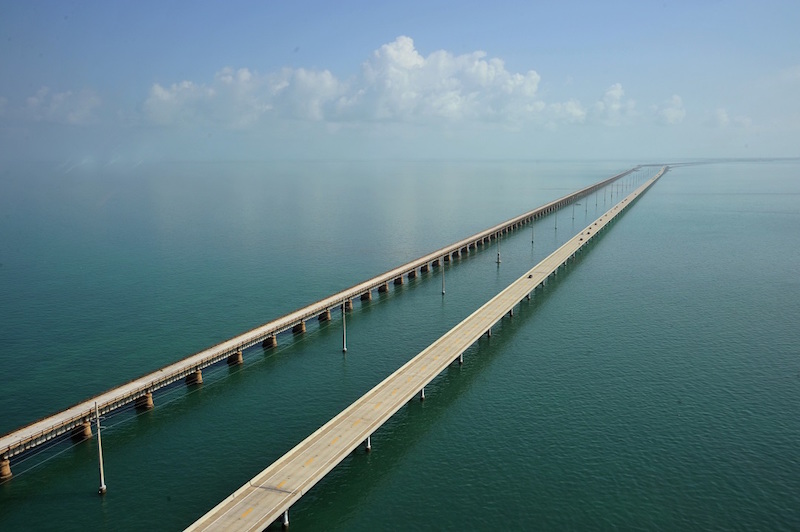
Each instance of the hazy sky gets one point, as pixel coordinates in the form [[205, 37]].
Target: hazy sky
[[128, 81]]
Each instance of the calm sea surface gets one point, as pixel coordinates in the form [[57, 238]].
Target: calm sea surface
[[656, 385]]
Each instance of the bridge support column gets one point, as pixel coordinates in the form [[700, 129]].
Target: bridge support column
[[398, 281], [511, 312], [366, 296], [144, 402], [412, 273], [348, 305], [369, 443], [82, 431], [325, 316], [285, 519], [422, 394], [435, 263], [384, 287], [5, 469], [234, 359], [424, 268], [460, 359], [447, 258], [195, 378], [270, 341], [489, 333], [300, 328]]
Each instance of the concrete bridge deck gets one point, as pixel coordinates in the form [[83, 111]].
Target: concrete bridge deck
[[269, 495], [75, 420]]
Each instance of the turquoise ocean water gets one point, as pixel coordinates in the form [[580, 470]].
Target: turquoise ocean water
[[656, 385]]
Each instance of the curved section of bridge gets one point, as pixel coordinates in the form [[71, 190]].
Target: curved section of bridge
[[76, 420]]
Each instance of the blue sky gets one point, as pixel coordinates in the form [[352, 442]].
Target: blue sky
[[138, 81]]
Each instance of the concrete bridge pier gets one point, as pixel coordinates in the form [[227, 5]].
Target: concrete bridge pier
[[422, 394], [460, 359], [235, 359], [447, 258], [424, 268], [366, 296], [145, 402], [398, 281], [5, 469], [269, 341], [489, 333], [348, 305], [369, 443], [435, 263], [285, 520], [325, 316], [300, 328], [384, 287], [82, 431], [195, 378]]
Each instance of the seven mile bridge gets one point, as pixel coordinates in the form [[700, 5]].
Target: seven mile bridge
[[269, 495]]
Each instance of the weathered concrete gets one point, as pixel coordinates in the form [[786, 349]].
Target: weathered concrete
[[366, 296], [270, 341], [398, 281], [325, 315], [383, 288], [236, 358], [82, 431], [195, 378], [300, 328], [145, 402], [412, 274], [424, 268], [5, 469]]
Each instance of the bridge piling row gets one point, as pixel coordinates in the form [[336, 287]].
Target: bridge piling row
[[140, 391]]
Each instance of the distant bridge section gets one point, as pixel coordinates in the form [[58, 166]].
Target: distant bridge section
[[76, 420], [268, 496]]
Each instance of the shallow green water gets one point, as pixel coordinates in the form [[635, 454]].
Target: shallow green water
[[653, 386]]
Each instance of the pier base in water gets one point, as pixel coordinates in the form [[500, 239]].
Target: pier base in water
[[145, 402], [195, 378], [5, 469], [299, 328], [235, 359], [269, 341], [82, 431]]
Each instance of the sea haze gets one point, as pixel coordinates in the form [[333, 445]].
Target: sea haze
[[653, 385]]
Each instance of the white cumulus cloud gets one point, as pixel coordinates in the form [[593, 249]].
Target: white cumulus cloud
[[76, 108], [614, 109], [398, 83], [720, 118], [672, 111]]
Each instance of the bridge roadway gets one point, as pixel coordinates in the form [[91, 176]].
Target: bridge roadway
[[268, 496], [75, 420]]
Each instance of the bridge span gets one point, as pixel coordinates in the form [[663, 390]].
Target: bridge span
[[76, 421], [269, 495]]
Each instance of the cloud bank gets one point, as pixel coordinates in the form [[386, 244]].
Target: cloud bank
[[396, 84]]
